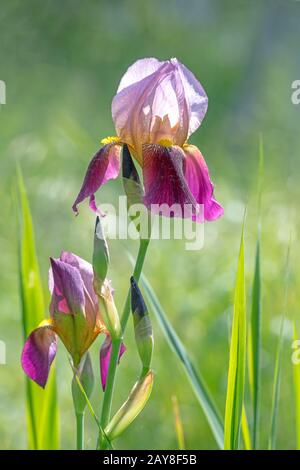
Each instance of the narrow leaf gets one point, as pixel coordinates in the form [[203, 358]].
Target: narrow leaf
[[278, 365], [196, 381], [237, 360], [41, 405], [255, 317]]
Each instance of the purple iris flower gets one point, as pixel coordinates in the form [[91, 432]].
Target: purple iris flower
[[158, 105], [74, 317]]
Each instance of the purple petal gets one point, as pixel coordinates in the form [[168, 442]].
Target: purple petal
[[195, 96], [105, 353], [197, 176], [141, 69], [68, 293], [105, 165], [164, 182], [132, 109], [38, 354]]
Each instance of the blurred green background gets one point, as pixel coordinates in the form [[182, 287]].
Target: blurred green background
[[62, 62]]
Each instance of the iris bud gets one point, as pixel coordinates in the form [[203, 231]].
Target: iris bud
[[142, 326], [100, 257], [132, 407]]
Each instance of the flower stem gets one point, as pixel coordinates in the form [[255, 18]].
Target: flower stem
[[116, 343], [80, 431]]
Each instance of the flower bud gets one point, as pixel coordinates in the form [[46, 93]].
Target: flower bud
[[142, 326], [86, 377], [109, 310], [132, 407], [100, 257]]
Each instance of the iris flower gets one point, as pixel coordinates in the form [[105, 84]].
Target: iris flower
[[74, 317], [158, 106]]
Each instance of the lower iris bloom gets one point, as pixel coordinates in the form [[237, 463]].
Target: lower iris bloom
[[74, 317], [157, 107]]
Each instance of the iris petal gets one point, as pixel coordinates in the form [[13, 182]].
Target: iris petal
[[105, 165], [38, 354], [68, 288], [197, 176], [166, 190], [105, 353]]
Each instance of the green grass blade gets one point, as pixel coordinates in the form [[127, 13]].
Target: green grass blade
[[237, 360], [41, 405], [245, 430], [255, 317], [296, 371], [196, 381], [278, 361], [254, 344]]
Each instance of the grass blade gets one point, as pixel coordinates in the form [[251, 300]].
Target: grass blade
[[278, 361], [245, 430], [237, 360], [178, 424], [254, 344], [196, 381], [255, 317], [41, 405], [296, 370]]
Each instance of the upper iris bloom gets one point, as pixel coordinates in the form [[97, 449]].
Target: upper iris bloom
[[74, 317], [157, 107]]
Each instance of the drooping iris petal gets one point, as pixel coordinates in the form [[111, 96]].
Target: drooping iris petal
[[166, 190], [38, 354], [104, 166], [197, 176], [68, 288], [105, 353]]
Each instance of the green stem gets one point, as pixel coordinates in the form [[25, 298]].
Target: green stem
[[80, 430], [116, 343]]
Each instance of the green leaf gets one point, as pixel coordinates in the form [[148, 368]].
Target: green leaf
[[254, 344], [255, 317], [245, 430], [237, 360], [196, 381], [296, 370], [278, 361], [41, 405]]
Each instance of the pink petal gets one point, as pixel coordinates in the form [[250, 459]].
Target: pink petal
[[164, 182], [141, 69], [105, 353], [38, 354], [105, 165], [195, 95], [132, 110], [68, 289], [197, 176]]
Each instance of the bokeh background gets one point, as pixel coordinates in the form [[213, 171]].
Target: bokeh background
[[62, 62]]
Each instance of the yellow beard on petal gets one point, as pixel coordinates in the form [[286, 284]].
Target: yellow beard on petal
[[110, 140]]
